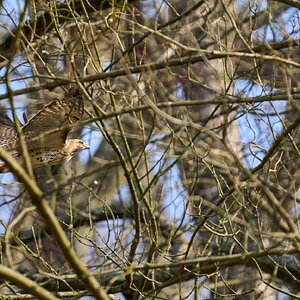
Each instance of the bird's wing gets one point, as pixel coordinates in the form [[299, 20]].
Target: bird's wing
[[58, 114], [8, 135]]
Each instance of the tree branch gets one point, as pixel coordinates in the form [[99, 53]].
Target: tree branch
[[25, 283], [45, 21], [205, 55], [54, 226]]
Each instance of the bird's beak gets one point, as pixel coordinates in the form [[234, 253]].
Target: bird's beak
[[86, 146]]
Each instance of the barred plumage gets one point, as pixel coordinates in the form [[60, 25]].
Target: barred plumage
[[46, 133]]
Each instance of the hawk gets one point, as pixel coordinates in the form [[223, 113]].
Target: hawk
[[46, 133]]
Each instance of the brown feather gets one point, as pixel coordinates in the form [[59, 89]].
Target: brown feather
[[8, 136], [59, 114]]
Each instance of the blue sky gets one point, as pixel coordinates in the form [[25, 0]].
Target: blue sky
[[255, 131]]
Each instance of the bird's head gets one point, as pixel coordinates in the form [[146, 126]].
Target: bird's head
[[74, 145]]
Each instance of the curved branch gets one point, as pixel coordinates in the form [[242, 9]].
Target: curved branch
[[258, 53], [54, 226], [167, 274], [45, 21], [294, 3], [25, 283]]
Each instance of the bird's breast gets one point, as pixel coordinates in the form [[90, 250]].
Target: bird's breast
[[50, 157]]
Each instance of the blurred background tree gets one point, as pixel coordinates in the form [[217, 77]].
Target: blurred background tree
[[190, 189]]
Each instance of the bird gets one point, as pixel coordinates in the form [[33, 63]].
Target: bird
[[46, 133]]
